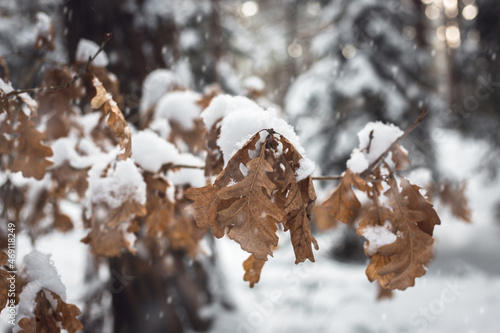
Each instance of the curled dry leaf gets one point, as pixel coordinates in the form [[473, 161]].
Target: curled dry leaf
[[107, 237], [160, 210], [4, 283], [214, 162], [49, 319], [115, 121], [30, 154], [343, 203], [396, 265], [419, 203], [57, 106], [253, 268], [250, 214], [400, 158], [455, 198], [183, 231], [247, 207], [112, 228], [298, 199]]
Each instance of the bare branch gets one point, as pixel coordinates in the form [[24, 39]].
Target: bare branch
[[327, 177], [410, 129], [107, 38]]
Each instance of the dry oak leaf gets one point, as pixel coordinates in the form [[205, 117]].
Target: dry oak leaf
[[62, 221], [457, 201], [108, 237], [322, 219], [183, 232], [57, 106], [49, 320], [4, 283], [115, 121], [160, 210], [253, 268], [252, 216], [418, 202], [249, 207], [383, 293], [298, 203], [206, 200], [343, 202], [214, 163], [377, 215], [400, 158], [30, 155], [396, 265]]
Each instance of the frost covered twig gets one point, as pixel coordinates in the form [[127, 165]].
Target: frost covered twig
[[107, 38]]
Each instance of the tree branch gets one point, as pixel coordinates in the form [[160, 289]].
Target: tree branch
[[107, 38], [410, 129]]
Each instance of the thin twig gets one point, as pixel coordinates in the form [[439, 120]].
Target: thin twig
[[183, 166], [107, 38], [410, 129], [326, 178]]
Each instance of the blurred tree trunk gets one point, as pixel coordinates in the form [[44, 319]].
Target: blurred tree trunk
[[133, 51]]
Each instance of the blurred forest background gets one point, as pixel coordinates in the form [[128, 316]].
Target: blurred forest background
[[329, 67]]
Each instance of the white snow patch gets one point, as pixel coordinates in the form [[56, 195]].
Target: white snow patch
[[86, 49], [6, 86], [151, 152], [244, 119], [155, 85], [161, 127], [179, 106], [254, 83], [306, 167], [43, 24], [378, 236], [122, 183], [187, 176], [40, 273], [189, 39], [222, 105], [369, 149]]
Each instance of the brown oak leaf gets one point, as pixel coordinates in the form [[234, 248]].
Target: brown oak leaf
[[400, 158], [252, 216], [48, 319], [343, 202], [418, 202], [253, 268], [29, 153], [396, 265], [115, 121], [455, 198]]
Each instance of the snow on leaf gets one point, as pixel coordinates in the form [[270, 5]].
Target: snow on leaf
[[248, 206], [396, 265], [51, 318], [251, 216], [118, 195]]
